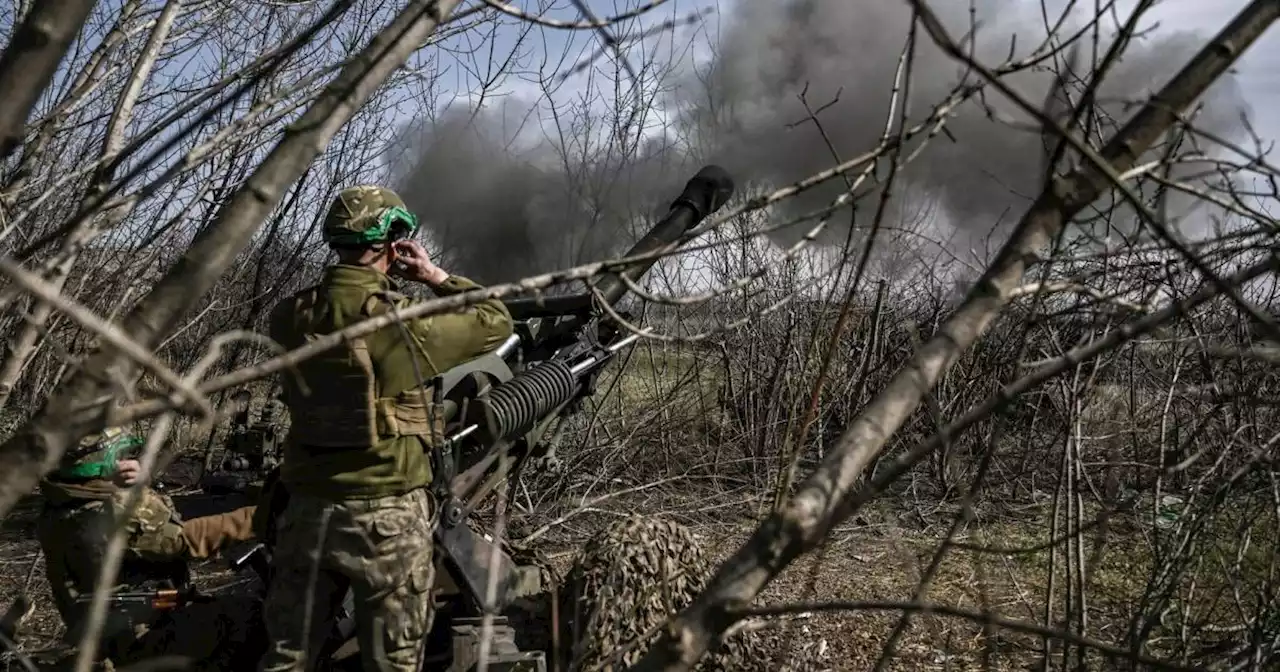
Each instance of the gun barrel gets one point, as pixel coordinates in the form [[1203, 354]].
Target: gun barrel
[[550, 306], [702, 195], [705, 193]]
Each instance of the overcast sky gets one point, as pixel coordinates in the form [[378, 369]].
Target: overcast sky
[[1257, 68]]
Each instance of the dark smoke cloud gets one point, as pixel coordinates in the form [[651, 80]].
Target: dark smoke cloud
[[504, 212], [772, 51], [502, 206]]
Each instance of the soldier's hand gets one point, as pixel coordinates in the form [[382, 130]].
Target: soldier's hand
[[127, 473], [417, 265]]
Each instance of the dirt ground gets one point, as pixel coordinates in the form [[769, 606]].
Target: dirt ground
[[878, 556], [875, 558]]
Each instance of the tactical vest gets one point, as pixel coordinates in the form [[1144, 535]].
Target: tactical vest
[[345, 406]]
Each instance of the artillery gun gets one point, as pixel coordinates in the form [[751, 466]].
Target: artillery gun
[[502, 410], [507, 408]]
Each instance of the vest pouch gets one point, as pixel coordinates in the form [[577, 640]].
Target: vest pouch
[[334, 426], [410, 413], [342, 412]]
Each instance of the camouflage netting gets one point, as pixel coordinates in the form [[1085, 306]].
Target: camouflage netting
[[627, 582]]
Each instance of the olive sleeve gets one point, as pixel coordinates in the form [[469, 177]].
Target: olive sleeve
[[460, 335]]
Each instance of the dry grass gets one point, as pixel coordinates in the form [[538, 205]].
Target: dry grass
[[879, 557]]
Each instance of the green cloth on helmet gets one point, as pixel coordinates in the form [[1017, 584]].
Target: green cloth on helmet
[[99, 461], [367, 215]]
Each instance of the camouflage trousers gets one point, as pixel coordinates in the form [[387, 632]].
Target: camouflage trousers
[[74, 540], [381, 549]]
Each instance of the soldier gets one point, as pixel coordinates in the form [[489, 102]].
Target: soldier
[[357, 457], [85, 497]]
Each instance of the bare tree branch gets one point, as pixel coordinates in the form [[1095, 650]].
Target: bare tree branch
[[31, 59], [820, 502], [37, 448]]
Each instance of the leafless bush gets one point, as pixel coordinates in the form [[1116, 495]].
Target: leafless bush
[[1007, 300]]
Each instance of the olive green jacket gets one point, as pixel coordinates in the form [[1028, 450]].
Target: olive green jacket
[[373, 464]]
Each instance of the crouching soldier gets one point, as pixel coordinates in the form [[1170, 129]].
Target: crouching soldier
[[84, 500]]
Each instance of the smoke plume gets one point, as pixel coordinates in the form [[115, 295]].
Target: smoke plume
[[507, 209], [503, 206], [986, 171]]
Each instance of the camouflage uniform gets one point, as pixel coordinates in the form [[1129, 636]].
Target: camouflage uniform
[[357, 458], [81, 507]]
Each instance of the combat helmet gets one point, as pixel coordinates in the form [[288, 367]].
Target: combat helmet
[[97, 454], [366, 215]]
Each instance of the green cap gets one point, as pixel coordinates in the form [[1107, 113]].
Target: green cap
[[366, 215]]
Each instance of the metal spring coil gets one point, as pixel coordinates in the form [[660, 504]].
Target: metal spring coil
[[518, 404]]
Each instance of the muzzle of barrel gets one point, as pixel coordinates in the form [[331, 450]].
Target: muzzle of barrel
[[705, 193]]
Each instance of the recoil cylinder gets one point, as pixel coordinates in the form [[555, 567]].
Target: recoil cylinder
[[514, 407]]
